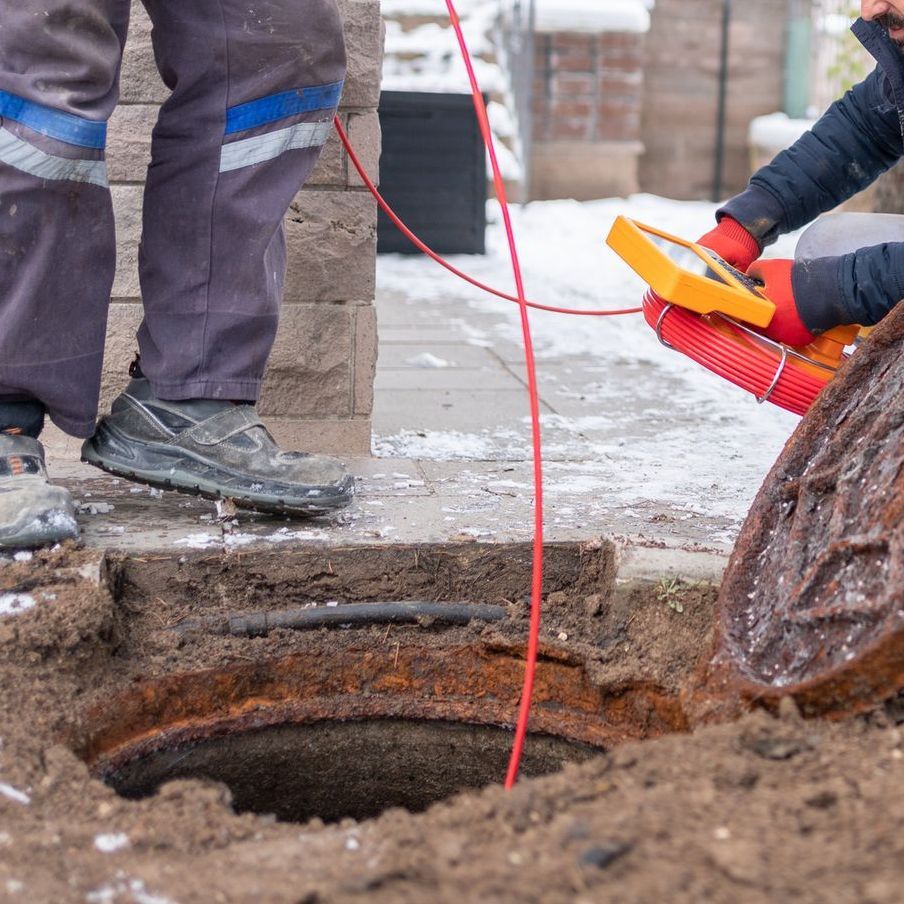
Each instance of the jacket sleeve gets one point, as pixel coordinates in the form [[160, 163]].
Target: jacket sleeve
[[853, 143], [849, 147]]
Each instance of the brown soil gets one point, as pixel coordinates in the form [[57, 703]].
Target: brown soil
[[762, 809]]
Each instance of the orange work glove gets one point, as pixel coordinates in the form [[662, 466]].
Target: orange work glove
[[786, 325], [733, 243]]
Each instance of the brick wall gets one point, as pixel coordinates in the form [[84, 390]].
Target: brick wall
[[318, 391], [588, 90], [681, 85]]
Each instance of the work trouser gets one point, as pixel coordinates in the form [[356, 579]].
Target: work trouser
[[254, 87]]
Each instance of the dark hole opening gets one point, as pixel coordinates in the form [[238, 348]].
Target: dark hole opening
[[357, 769]]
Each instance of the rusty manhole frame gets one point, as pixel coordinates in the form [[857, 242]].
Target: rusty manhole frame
[[468, 683]]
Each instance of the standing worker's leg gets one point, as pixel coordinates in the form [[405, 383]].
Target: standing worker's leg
[[59, 67], [255, 87]]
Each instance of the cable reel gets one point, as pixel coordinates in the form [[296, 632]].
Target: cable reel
[[702, 307]]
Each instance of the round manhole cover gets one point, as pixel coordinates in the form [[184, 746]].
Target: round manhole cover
[[812, 602]]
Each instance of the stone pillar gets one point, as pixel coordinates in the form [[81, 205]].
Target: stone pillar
[[586, 114], [318, 391]]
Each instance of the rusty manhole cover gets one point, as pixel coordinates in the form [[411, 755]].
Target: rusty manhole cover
[[812, 603]]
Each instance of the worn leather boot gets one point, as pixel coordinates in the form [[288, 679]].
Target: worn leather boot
[[32, 511], [219, 450]]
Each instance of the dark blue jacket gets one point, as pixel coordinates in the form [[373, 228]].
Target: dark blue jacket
[[857, 139]]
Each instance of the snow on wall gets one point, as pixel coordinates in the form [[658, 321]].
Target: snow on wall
[[777, 130], [596, 16]]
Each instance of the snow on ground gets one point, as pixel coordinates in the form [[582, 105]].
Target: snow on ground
[[652, 424]]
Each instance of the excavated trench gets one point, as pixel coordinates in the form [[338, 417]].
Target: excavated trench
[[335, 708]]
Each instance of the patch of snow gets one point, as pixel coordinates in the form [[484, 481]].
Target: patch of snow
[[199, 541], [20, 797], [777, 131], [109, 843], [16, 603], [23, 556], [433, 445], [428, 360], [594, 16], [94, 508]]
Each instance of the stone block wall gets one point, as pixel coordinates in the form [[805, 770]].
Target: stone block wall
[[681, 90], [588, 91], [318, 391]]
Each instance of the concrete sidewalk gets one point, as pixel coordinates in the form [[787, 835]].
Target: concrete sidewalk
[[440, 395]]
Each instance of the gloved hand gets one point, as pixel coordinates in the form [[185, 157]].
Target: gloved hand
[[733, 243], [786, 325]]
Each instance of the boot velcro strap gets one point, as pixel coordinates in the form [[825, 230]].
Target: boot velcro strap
[[19, 465], [222, 426]]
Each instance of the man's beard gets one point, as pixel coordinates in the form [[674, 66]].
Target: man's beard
[[890, 21]]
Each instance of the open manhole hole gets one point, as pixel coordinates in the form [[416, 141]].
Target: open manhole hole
[[334, 770], [352, 732]]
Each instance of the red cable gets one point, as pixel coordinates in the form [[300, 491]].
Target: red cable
[[737, 358], [426, 249], [533, 642]]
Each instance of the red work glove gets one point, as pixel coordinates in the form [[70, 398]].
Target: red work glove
[[786, 325], [733, 243]]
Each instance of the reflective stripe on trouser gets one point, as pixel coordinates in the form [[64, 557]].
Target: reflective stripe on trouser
[[255, 86]]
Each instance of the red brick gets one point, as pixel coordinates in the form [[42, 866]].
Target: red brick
[[574, 85], [568, 129], [572, 41], [571, 109], [573, 62], [619, 40]]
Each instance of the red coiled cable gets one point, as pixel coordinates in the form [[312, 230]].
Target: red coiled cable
[[721, 346]]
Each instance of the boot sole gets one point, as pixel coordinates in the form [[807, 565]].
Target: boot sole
[[182, 481]]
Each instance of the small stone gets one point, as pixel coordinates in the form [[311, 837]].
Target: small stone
[[788, 710], [823, 800], [778, 748], [594, 604], [557, 598], [601, 856]]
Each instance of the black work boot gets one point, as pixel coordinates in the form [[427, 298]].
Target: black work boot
[[32, 511], [219, 450]]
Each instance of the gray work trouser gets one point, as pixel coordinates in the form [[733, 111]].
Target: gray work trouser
[[254, 87]]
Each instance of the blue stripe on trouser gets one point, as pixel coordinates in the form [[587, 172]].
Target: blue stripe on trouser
[[56, 124], [265, 110]]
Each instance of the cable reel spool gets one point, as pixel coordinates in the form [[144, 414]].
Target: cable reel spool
[[701, 306], [788, 377]]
